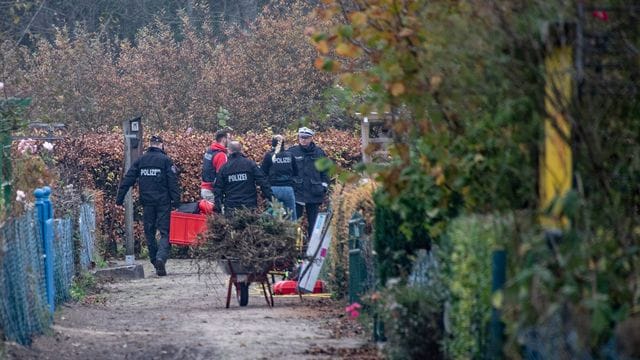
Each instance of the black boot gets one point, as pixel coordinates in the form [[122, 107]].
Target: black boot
[[160, 270]]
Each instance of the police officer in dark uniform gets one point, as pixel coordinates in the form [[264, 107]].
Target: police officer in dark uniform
[[310, 185], [158, 184], [280, 167], [235, 185]]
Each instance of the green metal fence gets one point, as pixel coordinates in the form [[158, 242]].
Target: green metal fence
[[358, 277], [362, 268]]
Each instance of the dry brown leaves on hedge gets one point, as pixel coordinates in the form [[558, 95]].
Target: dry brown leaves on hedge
[[95, 161], [257, 241]]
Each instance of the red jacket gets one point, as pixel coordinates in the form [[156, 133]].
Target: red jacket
[[219, 159]]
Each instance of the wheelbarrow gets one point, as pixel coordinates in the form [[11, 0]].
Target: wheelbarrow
[[241, 277]]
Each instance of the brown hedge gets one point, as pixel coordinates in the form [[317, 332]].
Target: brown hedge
[[95, 161]]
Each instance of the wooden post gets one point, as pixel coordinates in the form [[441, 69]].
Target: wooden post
[[365, 140], [132, 150]]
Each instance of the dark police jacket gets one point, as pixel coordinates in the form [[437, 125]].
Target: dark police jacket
[[281, 171], [236, 182], [308, 186], [156, 177]]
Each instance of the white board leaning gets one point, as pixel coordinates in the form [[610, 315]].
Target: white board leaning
[[316, 253]]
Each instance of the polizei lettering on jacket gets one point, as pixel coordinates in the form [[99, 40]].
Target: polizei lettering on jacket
[[150, 172], [238, 177], [282, 160]]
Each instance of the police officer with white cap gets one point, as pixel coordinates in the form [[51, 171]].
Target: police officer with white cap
[[158, 184], [310, 185]]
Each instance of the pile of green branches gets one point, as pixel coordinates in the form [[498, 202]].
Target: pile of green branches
[[256, 241]]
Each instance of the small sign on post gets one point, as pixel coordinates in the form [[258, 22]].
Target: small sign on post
[[132, 151], [375, 137]]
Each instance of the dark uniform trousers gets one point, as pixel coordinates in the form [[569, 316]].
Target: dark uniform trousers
[[312, 214], [157, 218]]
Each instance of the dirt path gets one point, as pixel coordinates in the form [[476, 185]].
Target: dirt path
[[182, 316]]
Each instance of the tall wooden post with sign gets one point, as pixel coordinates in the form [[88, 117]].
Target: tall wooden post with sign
[[133, 146]]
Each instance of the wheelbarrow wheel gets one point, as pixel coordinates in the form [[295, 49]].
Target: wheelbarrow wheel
[[242, 291]]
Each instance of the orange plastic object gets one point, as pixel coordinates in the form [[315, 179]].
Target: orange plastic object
[[184, 228], [290, 287]]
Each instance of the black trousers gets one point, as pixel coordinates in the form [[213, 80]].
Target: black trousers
[[157, 218], [312, 213]]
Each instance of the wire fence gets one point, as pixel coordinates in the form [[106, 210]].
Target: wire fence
[[87, 230], [24, 308], [63, 259]]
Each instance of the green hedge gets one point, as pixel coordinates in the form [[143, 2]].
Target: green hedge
[[412, 318], [472, 240]]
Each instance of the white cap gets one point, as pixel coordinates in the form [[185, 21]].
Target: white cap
[[305, 131]]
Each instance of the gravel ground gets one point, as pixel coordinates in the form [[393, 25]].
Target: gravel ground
[[183, 316]]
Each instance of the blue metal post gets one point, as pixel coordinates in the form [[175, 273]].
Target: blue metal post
[[45, 218], [496, 327]]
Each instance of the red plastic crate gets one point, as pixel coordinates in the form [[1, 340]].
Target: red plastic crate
[[184, 228]]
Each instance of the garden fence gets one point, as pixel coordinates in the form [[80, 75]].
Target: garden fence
[[31, 288], [362, 267], [359, 279]]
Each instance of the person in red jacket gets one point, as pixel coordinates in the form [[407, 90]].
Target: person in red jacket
[[212, 161]]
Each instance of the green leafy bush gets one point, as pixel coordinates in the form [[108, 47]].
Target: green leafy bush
[[83, 284], [585, 278], [468, 79], [413, 210], [412, 318]]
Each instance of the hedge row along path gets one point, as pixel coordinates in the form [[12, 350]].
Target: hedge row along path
[[182, 316]]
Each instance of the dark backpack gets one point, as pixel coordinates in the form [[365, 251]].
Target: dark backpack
[[208, 170]]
